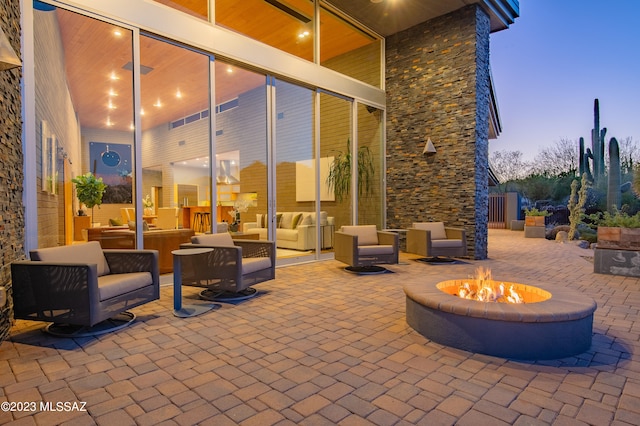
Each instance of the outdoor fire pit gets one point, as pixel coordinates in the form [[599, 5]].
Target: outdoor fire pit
[[544, 324]]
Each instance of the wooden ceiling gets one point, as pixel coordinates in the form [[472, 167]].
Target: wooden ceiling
[[98, 58]]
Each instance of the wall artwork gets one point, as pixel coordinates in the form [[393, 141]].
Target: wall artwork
[[306, 177], [112, 162], [48, 166]]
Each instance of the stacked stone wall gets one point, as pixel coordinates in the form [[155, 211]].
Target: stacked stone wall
[[437, 76], [11, 174]]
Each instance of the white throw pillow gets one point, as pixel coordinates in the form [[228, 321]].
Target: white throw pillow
[[436, 228]]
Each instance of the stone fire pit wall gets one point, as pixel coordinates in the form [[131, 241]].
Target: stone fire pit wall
[[556, 328]]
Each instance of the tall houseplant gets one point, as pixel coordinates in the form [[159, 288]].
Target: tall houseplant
[[340, 172], [89, 190]]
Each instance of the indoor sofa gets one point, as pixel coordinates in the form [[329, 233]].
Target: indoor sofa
[[295, 230]]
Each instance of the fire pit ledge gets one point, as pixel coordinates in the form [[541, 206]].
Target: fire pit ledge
[[555, 328]]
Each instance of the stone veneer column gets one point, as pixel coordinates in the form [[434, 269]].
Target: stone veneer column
[[438, 87], [11, 174]]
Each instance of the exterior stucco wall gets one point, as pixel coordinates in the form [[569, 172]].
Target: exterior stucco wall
[[11, 177], [437, 76]]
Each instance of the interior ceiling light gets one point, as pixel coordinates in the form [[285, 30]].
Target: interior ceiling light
[[117, 32], [158, 104], [229, 70], [113, 76], [111, 105], [112, 92], [179, 94], [303, 34], [376, 1], [141, 111]]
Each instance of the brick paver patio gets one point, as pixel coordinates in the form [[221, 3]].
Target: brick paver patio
[[321, 346]]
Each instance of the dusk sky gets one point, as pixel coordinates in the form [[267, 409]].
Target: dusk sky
[[551, 64]]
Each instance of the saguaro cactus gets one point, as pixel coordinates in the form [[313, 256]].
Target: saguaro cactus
[[614, 193]]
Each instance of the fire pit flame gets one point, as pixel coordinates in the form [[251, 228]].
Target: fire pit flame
[[485, 289]]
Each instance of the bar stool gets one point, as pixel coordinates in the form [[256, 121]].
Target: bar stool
[[201, 222]]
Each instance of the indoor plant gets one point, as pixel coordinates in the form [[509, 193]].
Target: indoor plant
[[89, 190], [340, 172]]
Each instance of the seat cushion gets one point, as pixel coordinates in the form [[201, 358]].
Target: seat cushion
[[254, 264], [117, 284], [375, 250], [367, 234], [436, 228], [90, 252], [446, 243], [287, 234], [220, 240]]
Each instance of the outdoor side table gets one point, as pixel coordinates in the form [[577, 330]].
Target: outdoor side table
[[179, 310]]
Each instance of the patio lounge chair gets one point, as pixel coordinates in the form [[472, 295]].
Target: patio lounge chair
[[436, 242], [231, 268], [82, 289], [363, 248]]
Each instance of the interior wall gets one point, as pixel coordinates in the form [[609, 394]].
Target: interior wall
[[438, 87], [53, 105]]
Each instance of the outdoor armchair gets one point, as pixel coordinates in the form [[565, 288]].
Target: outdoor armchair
[[82, 289], [435, 241], [231, 268], [362, 247]]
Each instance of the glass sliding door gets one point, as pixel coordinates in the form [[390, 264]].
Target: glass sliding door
[[336, 162], [370, 166], [84, 109], [242, 184], [295, 159], [176, 137]]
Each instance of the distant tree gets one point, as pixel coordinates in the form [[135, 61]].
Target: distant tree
[[508, 166], [559, 159], [629, 155]]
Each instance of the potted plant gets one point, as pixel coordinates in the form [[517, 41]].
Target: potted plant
[[89, 191], [340, 173], [617, 230], [535, 217], [147, 204], [534, 226]]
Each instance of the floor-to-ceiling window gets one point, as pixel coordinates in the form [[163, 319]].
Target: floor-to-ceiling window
[[84, 111], [296, 224], [335, 148], [280, 146], [370, 161], [176, 140], [241, 150]]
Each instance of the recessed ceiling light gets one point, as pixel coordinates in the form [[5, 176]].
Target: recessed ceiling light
[[178, 94], [158, 104], [117, 32]]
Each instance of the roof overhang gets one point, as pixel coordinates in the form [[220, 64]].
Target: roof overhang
[[390, 17]]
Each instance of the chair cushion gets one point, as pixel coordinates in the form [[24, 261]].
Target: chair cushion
[[254, 264], [117, 284], [436, 228], [446, 243], [376, 249], [220, 240], [90, 252], [367, 234]]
